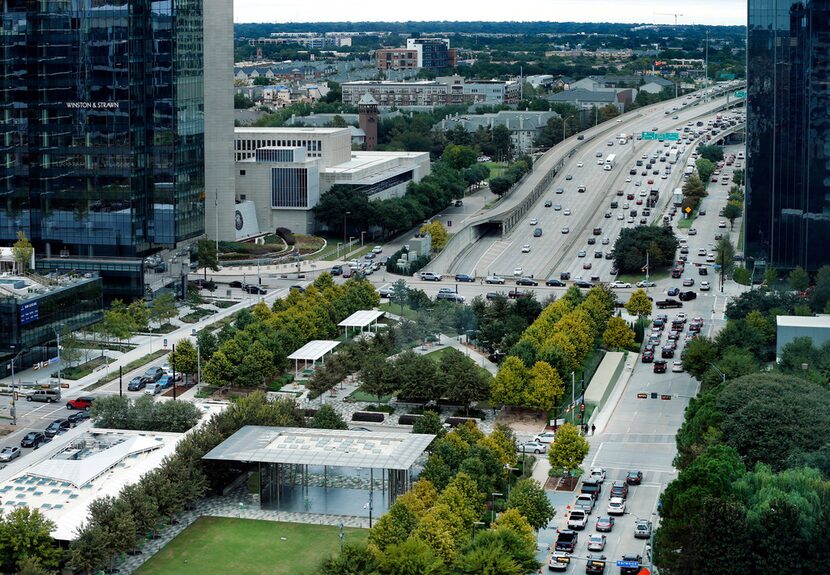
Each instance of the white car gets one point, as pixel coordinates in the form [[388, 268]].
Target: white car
[[596, 542], [559, 561], [377, 249], [619, 285], [566, 230], [701, 252], [620, 216], [605, 241], [526, 248], [152, 389], [567, 212], [598, 473], [645, 284], [544, 437], [692, 231], [534, 221], [643, 193], [494, 280], [630, 220], [579, 164], [721, 224], [681, 317], [628, 180], [518, 272], [533, 447], [616, 506], [704, 286], [677, 367]]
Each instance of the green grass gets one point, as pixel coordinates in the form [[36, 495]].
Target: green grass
[[80, 371], [165, 328], [197, 314], [395, 308], [223, 303], [358, 395], [439, 353], [247, 547], [496, 168], [359, 253], [687, 222]]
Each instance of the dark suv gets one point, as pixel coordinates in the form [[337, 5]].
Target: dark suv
[[619, 489], [631, 558], [592, 487], [153, 374], [567, 540], [57, 427], [136, 384]]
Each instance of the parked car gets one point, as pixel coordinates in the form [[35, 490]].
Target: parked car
[[153, 389], [254, 289], [137, 383], [464, 278], [544, 437], [533, 447], [78, 417], [83, 402], [9, 453], [56, 427], [153, 374], [33, 439]]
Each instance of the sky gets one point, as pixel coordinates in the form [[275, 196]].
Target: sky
[[646, 11]]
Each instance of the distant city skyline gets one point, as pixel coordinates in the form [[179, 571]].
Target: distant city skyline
[[713, 12]]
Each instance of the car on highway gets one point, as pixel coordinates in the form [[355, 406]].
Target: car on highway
[[578, 519], [619, 489], [648, 356], [701, 271], [581, 283], [598, 474], [553, 282], [559, 561], [557, 208], [569, 177], [386, 292], [136, 384], [534, 221], [544, 437], [688, 282], [605, 523], [687, 296], [494, 280], [642, 529], [581, 254], [532, 447], [379, 249], [537, 233], [587, 265], [645, 284], [153, 374], [567, 212], [464, 278], [494, 295], [592, 241], [596, 542], [659, 366], [566, 540], [548, 203], [33, 439], [619, 285], [630, 220], [582, 189], [579, 164], [586, 502], [566, 230], [669, 303], [9, 453], [616, 506], [526, 249], [631, 559], [83, 402], [526, 281], [634, 477], [431, 276], [235, 284], [560, 190], [721, 224], [518, 271], [677, 367]]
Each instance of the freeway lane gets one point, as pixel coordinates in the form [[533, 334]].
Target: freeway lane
[[503, 255]]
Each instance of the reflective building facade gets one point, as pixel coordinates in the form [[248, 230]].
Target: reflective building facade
[[788, 133], [102, 132]]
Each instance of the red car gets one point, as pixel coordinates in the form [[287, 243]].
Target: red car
[[660, 366], [648, 356], [84, 402]]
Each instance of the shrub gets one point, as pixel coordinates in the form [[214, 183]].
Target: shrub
[[368, 416]]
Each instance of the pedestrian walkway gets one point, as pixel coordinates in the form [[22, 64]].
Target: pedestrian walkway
[[238, 504]]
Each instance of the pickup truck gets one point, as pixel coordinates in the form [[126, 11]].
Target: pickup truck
[[584, 502], [566, 541], [517, 294], [668, 303], [578, 519]]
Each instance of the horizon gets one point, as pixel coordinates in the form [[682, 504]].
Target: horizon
[[637, 12]]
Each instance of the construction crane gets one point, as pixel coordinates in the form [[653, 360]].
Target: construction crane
[[670, 14]]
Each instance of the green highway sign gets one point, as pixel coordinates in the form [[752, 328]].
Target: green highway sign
[[670, 136], [740, 94], [649, 135], [656, 136]]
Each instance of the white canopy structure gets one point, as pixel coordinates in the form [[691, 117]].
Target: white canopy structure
[[313, 351], [365, 318]]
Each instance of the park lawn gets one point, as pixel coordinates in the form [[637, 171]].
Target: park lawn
[[395, 308], [247, 547]]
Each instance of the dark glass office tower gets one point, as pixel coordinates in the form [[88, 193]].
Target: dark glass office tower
[[101, 131], [788, 133]]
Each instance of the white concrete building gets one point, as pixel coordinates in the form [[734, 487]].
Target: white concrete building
[[791, 327], [284, 171]]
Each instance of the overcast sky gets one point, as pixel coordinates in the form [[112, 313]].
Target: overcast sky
[[650, 11]]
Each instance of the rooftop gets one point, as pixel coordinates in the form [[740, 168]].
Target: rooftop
[[803, 321], [31, 286], [330, 447], [287, 130]]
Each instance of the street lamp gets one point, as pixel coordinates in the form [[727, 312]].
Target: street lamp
[[14, 409], [363, 233], [476, 524], [345, 215], [804, 368], [493, 508], [721, 374], [58, 343], [510, 470]]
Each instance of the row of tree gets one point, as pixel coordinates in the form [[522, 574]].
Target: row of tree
[[752, 452], [653, 245], [255, 348], [144, 414], [556, 343], [500, 185], [432, 528]]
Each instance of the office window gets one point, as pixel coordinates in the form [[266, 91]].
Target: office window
[[289, 188]]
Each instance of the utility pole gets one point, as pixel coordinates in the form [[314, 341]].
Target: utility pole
[[173, 365], [216, 213]]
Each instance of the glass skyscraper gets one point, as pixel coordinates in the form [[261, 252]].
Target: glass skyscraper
[[788, 133], [102, 131]]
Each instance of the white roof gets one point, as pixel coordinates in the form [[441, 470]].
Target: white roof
[[803, 321], [362, 318], [315, 349], [79, 472]]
